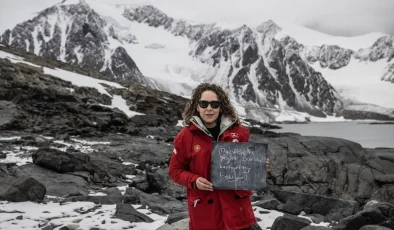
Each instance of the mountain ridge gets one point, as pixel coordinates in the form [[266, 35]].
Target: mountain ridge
[[257, 69]]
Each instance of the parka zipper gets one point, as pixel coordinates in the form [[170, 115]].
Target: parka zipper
[[208, 133], [195, 202], [224, 129]]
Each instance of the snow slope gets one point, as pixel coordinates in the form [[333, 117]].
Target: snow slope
[[158, 54], [360, 81], [309, 37]]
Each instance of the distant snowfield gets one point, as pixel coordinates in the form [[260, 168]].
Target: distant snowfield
[[170, 63], [309, 37], [361, 81]]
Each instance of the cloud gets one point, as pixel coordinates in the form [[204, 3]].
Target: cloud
[[336, 17]]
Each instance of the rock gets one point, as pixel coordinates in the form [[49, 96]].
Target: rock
[[378, 214], [160, 182], [160, 204], [290, 207], [102, 199], [374, 227], [48, 227], [289, 222], [331, 208], [59, 161], [371, 204], [175, 217], [57, 184], [11, 116], [316, 218], [72, 226], [179, 225], [64, 228], [99, 166], [19, 189], [267, 204], [128, 213], [315, 228]]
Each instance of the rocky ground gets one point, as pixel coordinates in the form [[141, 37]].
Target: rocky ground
[[69, 161]]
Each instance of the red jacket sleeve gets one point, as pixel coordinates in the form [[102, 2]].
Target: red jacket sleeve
[[179, 163]]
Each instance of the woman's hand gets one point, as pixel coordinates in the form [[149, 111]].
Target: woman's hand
[[203, 184], [267, 165]]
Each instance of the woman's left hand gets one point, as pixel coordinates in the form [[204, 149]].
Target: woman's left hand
[[267, 165]]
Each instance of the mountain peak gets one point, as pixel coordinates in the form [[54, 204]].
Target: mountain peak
[[73, 2], [268, 27]]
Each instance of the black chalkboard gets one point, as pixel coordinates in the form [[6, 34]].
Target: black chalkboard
[[238, 166]]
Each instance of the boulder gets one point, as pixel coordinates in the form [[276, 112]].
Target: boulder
[[331, 208], [20, 189], [289, 222], [128, 213]]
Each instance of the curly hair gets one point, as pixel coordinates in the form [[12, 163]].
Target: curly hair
[[226, 108]]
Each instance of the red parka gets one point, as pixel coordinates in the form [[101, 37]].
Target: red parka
[[191, 158]]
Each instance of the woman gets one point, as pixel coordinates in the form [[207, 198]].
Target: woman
[[209, 117]]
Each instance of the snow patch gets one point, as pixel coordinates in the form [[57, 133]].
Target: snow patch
[[361, 81], [120, 103]]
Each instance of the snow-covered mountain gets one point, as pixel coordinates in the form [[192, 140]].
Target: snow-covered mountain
[[265, 69], [76, 34]]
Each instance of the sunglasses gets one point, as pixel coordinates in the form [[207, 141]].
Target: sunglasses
[[204, 104]]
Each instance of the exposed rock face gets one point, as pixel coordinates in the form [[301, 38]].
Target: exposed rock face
[[335, 57], [330, 167], [383, 48], [329, 56], [255, 67], [76, 34], [32, 100], [389, 72]]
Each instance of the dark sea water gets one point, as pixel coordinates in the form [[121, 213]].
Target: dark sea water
[[368, 135]]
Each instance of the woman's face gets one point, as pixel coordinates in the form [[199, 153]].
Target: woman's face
[[208, 114]]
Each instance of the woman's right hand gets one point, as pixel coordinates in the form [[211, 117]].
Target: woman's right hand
[[204, 184]]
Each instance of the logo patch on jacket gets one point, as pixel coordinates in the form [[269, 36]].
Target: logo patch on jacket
[[196, 148], [234, 135], [174, 151]]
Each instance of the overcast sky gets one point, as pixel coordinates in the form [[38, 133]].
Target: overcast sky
[[335, 17]]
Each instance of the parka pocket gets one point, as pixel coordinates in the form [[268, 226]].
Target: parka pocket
[[204, 210]]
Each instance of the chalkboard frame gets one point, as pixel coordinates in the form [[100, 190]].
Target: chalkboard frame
[[254, 156]]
